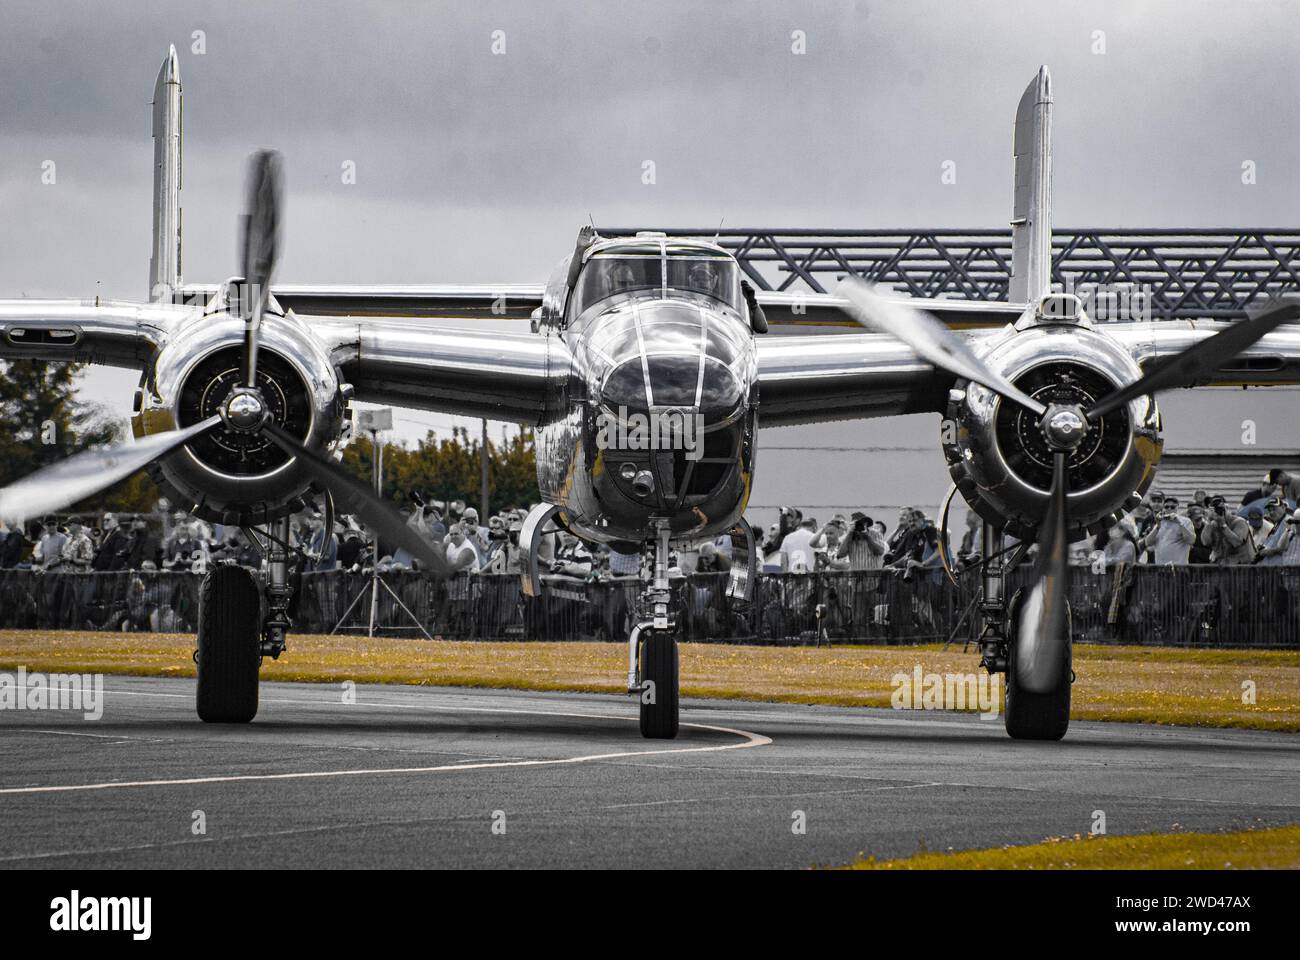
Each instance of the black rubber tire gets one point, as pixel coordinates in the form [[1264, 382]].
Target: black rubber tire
[[1038, 716], [229, 645], [659, 662]]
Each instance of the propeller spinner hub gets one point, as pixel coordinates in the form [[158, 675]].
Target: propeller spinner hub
[[244, 410], [1064, 428]]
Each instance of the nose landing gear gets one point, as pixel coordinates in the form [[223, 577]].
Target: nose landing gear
[[652, 650]]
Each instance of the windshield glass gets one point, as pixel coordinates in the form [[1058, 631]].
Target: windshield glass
[[606, 275], [711, 276]]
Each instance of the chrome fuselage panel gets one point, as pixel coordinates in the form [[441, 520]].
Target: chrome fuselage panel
[[683, 367]]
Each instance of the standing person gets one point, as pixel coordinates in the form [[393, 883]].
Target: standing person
[[78, 548], [351, 547], [830, 545], [1144, 521], [798, 547], [462, 554], [1275, 516], [901, 532], [1169, 542], [910, 545], [144, 547], [185, 550], [1119, 546], [470, 527], [322, 546], [13, 544], [1229, 539], [1259, 529], [48, 554], [112, 551], [863, 544], [1170, 537], [1119, 557], [1199, 552], [78, 555], [1287, 484], [497, 541], [572, 559], [971, 550], [1227, 536]]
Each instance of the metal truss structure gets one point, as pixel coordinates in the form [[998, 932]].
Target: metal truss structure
[[1176, 273]]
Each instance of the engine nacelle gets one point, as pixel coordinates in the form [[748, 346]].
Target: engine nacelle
[[1000, 460], [230, 477]]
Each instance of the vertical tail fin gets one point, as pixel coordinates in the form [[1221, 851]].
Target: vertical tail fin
[[165, 258], [1031, 224]]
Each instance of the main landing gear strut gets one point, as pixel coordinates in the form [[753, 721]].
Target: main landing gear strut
[[236, 629], [1027, 715]]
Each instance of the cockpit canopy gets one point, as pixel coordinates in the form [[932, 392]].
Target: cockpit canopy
[[656, 270]]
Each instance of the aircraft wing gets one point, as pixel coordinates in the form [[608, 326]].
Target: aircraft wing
[[409, 363], [428, 300], [804, 309], [518, 300], [811, 379], [1273, 360], [110, 332]]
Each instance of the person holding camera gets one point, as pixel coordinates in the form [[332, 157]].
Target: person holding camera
[[1169, 537], [1227, 535], [861, 544]]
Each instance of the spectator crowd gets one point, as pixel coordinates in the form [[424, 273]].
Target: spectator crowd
[[1259, 527]]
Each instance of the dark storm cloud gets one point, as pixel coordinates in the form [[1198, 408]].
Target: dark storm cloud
[[478, 167]]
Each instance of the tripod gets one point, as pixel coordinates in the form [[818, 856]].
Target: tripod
[[377, 460]]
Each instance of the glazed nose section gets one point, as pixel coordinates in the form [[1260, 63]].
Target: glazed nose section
[[701, 382], [671, 354]]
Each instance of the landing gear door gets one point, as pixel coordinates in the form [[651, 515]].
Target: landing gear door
[[530, 542], [744, 562]]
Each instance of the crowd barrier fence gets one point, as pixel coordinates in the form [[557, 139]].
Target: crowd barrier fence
[[1210, 606]]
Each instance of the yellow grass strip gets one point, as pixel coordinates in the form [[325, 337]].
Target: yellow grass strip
[[1141, 684], [1275, 849]]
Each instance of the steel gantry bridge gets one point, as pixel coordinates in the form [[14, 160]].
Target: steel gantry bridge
[[1178, 273]]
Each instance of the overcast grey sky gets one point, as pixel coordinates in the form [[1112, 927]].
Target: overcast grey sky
[[479, 167]]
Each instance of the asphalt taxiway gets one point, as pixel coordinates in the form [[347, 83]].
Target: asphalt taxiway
[[438, 777]]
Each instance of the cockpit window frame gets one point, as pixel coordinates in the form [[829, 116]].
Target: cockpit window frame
[[668, 253]]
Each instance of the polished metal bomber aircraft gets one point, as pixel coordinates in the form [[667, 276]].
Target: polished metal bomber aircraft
[[648, 371]]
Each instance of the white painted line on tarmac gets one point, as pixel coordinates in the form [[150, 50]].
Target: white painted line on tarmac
[[749, 740]]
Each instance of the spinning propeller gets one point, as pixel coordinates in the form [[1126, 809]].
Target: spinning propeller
[[244, 410], [1043, 614]]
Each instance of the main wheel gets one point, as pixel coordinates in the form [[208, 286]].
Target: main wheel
[[229, 645], [659, 709], [1038, 716]]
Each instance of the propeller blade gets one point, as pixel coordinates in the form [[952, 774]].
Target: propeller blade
[[353, 496], [930, 338], [259, 247], [1041, 638], [1186, 368], [87, 473]]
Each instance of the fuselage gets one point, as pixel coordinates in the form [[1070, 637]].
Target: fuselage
[[658, 419]]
